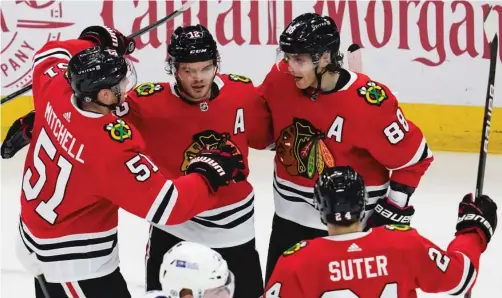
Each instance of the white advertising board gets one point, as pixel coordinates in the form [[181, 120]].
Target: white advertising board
[[425, 51]]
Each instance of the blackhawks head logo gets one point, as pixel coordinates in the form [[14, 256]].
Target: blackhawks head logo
[[301, 149], [208, 139], [373, 93], [119, 130]]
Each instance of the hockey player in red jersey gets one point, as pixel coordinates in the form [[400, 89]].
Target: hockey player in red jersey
[[84, 163], [203, 109], [326, 116], [391, 261]]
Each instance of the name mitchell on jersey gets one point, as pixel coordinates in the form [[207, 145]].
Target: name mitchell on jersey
[[62, 134]]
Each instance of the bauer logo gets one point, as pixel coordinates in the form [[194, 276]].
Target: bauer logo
[[26, 27]]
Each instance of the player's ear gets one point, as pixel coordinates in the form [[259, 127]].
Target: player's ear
[[106, 96], [325, 59]]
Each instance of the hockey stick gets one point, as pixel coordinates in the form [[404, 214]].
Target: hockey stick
[[142, 31], [490, 26]]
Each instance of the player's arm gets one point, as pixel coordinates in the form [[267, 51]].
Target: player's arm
[[137, 185], [259, 123], [51, 61], [397, 143], [285, 281], [454, 271]]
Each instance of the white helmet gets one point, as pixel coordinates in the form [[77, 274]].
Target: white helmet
[[197, 268]]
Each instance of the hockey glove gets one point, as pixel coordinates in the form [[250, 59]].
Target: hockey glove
[[387, 212], [218, 166], [18, 136], [478, 216], [109, 38]]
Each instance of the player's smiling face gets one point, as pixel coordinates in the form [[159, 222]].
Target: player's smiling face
[[196, 79], [301, 67]]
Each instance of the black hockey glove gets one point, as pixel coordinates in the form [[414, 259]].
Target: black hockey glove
[[18, 136], [478, 216], [107, 37], [218, 166], [387, 212]]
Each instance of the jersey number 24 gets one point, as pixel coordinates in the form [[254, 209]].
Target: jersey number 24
[[389, 291]]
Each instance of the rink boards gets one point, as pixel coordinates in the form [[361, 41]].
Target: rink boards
[[447, 127]]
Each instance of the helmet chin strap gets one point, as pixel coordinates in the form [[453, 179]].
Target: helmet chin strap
[[318, 76]]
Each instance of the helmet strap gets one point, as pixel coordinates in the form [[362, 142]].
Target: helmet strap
[[318, 76]]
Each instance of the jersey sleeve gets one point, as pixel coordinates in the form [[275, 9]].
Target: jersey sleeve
[[137, 186], [259, 129], [394, 141], [51, 61], [285, 280], [452, 271]]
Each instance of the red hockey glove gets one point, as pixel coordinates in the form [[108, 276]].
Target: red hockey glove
[[18, 136], [109, 38], [218, 166], [387, 212], [478, 216]]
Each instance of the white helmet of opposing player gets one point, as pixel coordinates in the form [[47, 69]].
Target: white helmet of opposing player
[[197, 268]]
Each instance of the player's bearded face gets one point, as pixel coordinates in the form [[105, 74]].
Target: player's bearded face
[[196, 78]]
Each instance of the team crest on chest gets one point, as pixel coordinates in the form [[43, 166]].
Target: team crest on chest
[[147, 89], [302, 150], [119, 130], [208, 139], [295, 248], [373, 93]]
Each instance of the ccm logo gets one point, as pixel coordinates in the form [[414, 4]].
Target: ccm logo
[[199, 51], [392, 216]]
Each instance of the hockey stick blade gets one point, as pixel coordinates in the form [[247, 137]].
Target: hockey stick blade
[[490, 26], [142, 31], [354, 58]]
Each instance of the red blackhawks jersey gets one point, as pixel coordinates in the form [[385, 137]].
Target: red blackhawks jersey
[[360, 124], [385, 262], [80, 168], [175, 130]]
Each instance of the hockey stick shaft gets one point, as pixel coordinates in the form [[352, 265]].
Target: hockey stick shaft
[[491, 27], [485, 133], [43, 285], [142, 31]]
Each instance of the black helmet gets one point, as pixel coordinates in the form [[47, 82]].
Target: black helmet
[[192, 44], [310, 33], [340, 196], [95, 69]]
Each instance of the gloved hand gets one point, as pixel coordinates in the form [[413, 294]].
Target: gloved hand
[[218, 166], [478, 216], [18, 136], [387, 212], [107, 37]]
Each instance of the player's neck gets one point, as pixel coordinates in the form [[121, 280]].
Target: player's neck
[[95, 108], [328, 82], [340, 230]]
